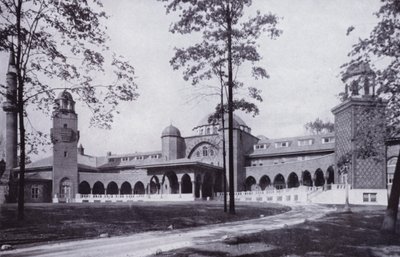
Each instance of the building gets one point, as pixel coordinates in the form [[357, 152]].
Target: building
[[190, 167]]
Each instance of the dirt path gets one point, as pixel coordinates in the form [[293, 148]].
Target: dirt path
[[143, 244]]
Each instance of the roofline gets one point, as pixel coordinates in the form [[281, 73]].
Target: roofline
[[191, 163], [252, 155]]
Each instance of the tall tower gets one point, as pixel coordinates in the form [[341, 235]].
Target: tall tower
[[361, 115], [65, 136], [173, 145], [10, 108]]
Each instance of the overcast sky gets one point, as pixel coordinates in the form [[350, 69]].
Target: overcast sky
[[303, 64]]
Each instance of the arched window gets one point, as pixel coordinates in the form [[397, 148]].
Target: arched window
[[205, 151], [198, 153], [211, 152], [215, 130], [208, 131], [201, 132]]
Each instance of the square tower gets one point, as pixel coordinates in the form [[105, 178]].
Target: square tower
[[356, 119]]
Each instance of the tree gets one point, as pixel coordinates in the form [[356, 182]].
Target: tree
[[318, 126], [228, 40], [378, 62], [53, 41]]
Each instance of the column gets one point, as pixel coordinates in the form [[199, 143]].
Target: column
[[180, 189], [194, 189], [119, 191], [91, 191], [201, 189]]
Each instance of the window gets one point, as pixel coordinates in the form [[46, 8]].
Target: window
[[205, 151], [65, 125], [65, 154], [305, 142], [125, 159], [211, 152], [201, 132], [215, 130], [198, 153], [208, 131], [35, 192], [390, 179], [327, 140], [281, 144], [369, 197]]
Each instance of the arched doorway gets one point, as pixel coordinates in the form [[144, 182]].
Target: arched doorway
[[154, 185], [293, 180], [279, 182], [250, 183], [265, 181], [319, 178], [126, 188], [186, 184], [307, 179], [66, 188], [139, 189], [84, 188], [98, 188], [170, 183], [112, 188], [330, 175]]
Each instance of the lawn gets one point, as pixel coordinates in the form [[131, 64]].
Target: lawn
[[50, 222], [337, 234]]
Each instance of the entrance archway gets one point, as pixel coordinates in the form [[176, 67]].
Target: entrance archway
[[170, 183], [307, 179], [265, 181], [112, 188], [186, 184], [66, 188], [249, 183], [279, 182], [330, 175], [138, 189], [293, 180], [84, 188], [154, 185], [98, 188], [319, 178], [126, 188]]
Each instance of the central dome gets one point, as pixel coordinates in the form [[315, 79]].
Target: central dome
[[237, 122]]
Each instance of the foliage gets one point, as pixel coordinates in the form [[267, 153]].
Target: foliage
[[318, 126], [208, 59], [62, 45]]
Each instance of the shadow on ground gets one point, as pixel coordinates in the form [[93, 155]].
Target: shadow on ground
[[337, 234]]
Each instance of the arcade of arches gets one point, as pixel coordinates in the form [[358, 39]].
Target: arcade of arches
[[318, 178], [204, 185]]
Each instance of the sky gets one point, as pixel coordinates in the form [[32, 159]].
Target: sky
[[303, 64]]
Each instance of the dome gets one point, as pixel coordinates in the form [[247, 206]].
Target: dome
[[237, 122], [171, 131], [65, 95]]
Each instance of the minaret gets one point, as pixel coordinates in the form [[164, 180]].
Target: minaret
[[65, 136], [10, 108]]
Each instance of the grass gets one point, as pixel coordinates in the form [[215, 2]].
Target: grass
[[51, 222], [337, 234]]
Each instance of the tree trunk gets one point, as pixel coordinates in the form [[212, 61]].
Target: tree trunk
[[390, 218], [223, 146], [20, 109], [230, 115]]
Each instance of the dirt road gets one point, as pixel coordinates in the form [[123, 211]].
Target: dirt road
[[144, 244]]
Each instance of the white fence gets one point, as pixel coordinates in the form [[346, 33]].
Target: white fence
[[89, 198]]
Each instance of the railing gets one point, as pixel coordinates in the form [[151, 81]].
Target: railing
[[91, 198]]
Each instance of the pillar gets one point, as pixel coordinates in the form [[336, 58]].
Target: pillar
[[180, 189], [201, 190], [119, 191], [194, 189], [91, 191]]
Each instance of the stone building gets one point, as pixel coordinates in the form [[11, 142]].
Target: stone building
[[190, 167]]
